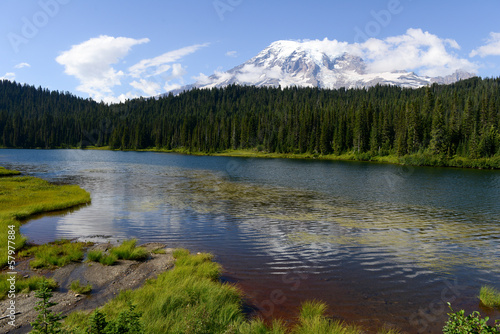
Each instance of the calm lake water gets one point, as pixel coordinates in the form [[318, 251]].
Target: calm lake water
[[381, 244]]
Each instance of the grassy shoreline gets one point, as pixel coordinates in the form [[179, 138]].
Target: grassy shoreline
[[416, 159], [22, 197]]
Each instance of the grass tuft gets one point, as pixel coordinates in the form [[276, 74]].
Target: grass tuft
[[490, 296], [55, 254], [313, 320], [104, 259], [24, 285], [81, 289], [108, 260], [8, 172], [128, 251]]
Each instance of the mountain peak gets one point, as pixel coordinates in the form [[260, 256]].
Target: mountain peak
[[288, 63]]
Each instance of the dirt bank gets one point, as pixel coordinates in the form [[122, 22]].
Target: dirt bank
[[106, 281]]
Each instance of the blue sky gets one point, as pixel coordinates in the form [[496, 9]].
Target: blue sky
[[111, 50]]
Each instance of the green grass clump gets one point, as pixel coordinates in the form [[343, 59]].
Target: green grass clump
[[104, 259], [24, 285], [94, 255], [159, 251], [55, 254], [8, 172], [313, 320], [81, 289], [489, 296], [128, 251], [23, 196], [258, 326], [108, 260]]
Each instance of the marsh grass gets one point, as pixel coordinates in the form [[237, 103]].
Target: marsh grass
[[8, 172], [55, 254], [24, 285], [128, 251], [104, 259], [312, 319], [81, 289], [490, 296], [22, 197]]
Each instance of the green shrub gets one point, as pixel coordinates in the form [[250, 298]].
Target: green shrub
[[489, 296], [78, 288], [458, 323]]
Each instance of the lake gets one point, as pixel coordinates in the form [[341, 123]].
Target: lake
[[381, 244]]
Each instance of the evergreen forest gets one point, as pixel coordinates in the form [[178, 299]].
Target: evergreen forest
[[457, 124]]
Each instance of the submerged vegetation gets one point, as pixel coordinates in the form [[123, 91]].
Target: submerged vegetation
[[24, 196], [441, 125]]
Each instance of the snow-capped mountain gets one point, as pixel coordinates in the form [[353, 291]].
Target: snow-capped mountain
[[302, 64]]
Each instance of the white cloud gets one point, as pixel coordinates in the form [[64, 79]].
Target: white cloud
[[90, 62], [9, 76], [492, 47], [232, 54], [150, 88], [202, 79], [168, 87], [22, 65], [417, 51], [160, 64]]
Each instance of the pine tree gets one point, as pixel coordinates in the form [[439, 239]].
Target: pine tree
[[438, 134], [46, 322]]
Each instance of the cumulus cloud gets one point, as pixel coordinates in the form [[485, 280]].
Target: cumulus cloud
[[416, 50], [9, 76], [492, 47], [91, 63], [22, 65], [96, 64]]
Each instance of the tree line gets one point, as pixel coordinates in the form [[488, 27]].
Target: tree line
[[461, 119]]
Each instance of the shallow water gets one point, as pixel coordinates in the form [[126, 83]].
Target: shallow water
[[379, 243]]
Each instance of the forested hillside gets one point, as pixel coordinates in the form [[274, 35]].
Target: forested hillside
[[462, 120]]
